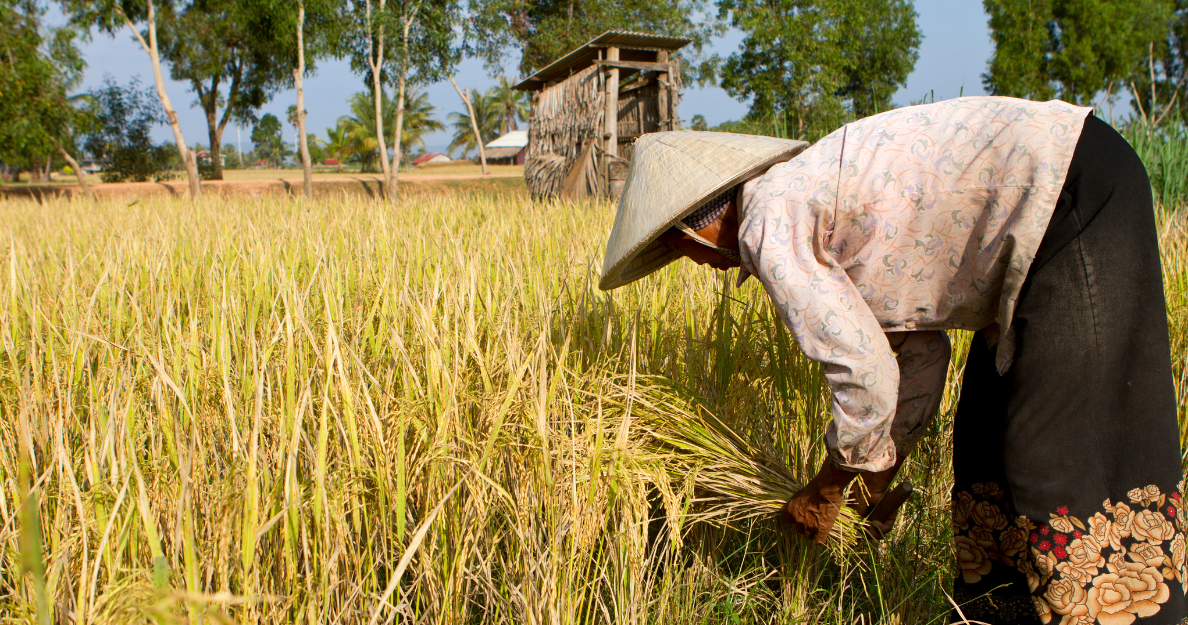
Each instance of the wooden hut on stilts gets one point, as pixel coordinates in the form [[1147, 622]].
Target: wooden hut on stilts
[[589, 106]]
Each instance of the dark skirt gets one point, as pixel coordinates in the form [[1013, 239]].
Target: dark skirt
[[1068, 502]]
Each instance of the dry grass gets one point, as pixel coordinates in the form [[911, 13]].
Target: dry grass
[[276, 411]]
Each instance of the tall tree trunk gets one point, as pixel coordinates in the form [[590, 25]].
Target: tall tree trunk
[[399, 129], [216, 146], [377, 64], [473, 123], [78, 172], [150, 46], [298, 75]]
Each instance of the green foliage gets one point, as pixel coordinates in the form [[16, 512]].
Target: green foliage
[[698, 123], [419, 119], [111, 16], [770, 126], [266, 136], [120, 139], [235, 54], [336, 145], [354, 138], [1072, 49], [1157, 84], [1163, 149], [231, 159], [418, 38], [37, 67], [1019, 29], [544, 31], [510, 105], [487, 116], [317, 150], [496, 112], [819, 63]]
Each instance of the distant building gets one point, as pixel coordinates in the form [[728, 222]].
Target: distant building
[[510, 149], [433, 158], [203, 157]]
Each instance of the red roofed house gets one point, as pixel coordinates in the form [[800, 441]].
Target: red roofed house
[[433, 158]]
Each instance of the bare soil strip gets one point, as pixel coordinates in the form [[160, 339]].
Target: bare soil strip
[[361, 185]]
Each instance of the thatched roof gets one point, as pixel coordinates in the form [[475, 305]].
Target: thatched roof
[[510, 152]]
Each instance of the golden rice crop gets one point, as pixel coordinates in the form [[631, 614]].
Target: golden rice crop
[[273, 410]]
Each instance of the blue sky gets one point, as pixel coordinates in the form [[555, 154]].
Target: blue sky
[[953, 56]]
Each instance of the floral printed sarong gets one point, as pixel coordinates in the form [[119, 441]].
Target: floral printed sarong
[[1068, 503]]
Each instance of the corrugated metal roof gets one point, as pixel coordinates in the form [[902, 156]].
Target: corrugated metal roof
[[585, 55], [513, 139]]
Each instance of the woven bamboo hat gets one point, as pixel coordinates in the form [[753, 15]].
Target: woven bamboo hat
[[671, 175]]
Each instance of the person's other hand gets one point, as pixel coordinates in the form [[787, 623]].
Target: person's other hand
[[813, 509]]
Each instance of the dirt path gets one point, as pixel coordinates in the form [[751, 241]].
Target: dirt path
[[366, 185]]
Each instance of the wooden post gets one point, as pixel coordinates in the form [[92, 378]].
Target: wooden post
[[674, 92], [612, 113], [662, 111]]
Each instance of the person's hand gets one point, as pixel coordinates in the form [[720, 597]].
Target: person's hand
[[813, 509]]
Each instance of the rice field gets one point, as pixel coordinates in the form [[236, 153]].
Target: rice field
[[280, 411]]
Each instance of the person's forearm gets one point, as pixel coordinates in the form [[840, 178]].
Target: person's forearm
[[832, 478], [878, 482]]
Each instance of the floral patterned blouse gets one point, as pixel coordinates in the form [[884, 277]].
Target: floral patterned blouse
[[895, 228]]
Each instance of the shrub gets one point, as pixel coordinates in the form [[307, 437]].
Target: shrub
[[120, 140]]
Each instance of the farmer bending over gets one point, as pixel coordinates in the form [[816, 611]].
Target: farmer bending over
[[1029, 222]]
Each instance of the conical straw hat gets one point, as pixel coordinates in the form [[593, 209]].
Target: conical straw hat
[[671, 175]]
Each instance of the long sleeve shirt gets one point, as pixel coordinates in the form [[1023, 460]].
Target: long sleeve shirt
[[884, 234]]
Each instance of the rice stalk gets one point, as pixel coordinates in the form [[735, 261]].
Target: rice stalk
[[250, 409]]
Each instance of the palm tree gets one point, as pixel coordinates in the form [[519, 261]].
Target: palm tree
[[358, 130], [487, 121], [336, 144], [355, 134], [510, 105], [418, 120]]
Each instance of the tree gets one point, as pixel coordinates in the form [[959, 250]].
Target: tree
[[37, 67], [1075, 49], [1157, 85], [816, 63], [121, 136], [544, 31], [231, 159], [110, 16], [1019, 29], [336, 143], [881, 43], [357, 133], [698, 123], [316, 28], [510, 105], [486, 118], [404, 42], [316, 149], [267, 139], [232, 54]]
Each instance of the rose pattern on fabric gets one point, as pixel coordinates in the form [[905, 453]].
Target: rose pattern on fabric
[[1109, 569], [910, 222]]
